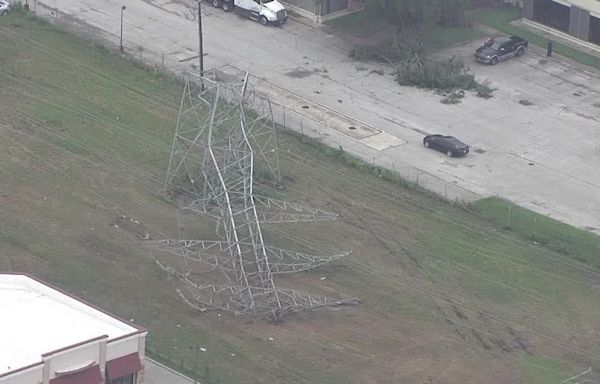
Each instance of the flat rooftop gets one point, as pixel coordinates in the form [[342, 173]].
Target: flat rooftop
[[36, 319]]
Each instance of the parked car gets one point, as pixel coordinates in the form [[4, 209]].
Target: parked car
[[449, 145], [264, 11], [501, 48], [4, 7]]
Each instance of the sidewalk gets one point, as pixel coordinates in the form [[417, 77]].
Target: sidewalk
[[156, 373]]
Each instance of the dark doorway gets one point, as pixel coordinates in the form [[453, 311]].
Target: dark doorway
[[594, 30], [552, 14]]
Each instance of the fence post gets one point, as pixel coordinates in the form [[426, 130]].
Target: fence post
[[508, 218]]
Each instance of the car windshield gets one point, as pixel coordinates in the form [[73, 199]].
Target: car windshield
[[491, 43], [265, 1]]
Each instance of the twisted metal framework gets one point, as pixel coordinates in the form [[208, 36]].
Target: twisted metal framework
[[189, 166], [211, 171]]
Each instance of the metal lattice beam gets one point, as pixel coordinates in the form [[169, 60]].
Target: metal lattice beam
[[211, 171]]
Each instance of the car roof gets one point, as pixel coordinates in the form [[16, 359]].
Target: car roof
[[452, 140], [501, 39]]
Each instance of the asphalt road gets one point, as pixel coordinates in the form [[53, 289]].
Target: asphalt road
[[543, 155]]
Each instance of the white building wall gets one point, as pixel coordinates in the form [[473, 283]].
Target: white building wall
[[591, 5], [63, 361], [121, 347], [33, 375]]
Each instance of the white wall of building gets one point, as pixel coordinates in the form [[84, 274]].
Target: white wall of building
[[75, 357], [122, 347], [32, 375]]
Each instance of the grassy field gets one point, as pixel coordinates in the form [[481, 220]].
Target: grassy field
[[449, 294], [500, 18]]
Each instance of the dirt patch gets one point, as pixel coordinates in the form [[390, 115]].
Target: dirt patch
[[299, 73], [131, 226]]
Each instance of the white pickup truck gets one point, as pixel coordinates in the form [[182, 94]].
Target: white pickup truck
[[264, 11]]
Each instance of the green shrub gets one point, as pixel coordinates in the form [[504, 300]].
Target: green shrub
[[448, 77]]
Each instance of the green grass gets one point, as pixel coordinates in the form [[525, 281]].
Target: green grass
[[359, 24], [85, 138], [500, 18], [543, 370], [438, 37], [579, 245]]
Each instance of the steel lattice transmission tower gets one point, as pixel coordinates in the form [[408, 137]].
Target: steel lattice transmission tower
[[211, 171]]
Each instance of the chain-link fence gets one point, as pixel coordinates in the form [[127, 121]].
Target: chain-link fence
[[284, 116], [320, 130]]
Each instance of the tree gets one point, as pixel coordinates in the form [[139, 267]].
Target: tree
[[403, 14], [452, 13], [408, 14]]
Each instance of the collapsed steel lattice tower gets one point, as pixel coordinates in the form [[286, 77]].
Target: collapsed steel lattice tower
[[211, 171]]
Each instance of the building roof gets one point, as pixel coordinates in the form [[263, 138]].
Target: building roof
[[37, 319]]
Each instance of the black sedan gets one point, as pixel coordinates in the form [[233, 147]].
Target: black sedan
[[451, 146]]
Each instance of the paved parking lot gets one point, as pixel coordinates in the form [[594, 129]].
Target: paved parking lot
[[543, 155]]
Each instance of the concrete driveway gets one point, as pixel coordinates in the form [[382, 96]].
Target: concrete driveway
[[156, 373], [543, 156]]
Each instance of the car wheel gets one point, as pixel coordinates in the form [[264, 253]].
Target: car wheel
[[215, 3], [263, 20], [226, 6], [426, 144], [494, 61], [520, 51], [449, 153]]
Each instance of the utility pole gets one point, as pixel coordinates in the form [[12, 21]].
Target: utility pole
[[121, 38], [200, 50]]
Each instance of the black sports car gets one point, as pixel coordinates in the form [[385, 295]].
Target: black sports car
[[451, 146]]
